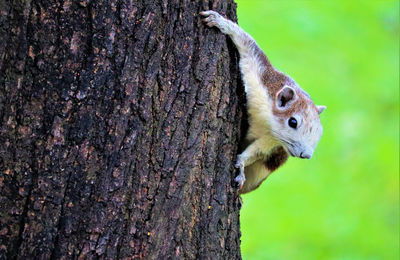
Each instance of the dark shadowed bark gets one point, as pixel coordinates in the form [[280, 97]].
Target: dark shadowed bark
[[119, 125]]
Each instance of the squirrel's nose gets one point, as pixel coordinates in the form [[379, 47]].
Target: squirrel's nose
[[305, 155]]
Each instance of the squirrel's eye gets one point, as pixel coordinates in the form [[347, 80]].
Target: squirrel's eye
[[292, 122]]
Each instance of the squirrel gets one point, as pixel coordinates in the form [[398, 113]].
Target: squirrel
[[283, 120]]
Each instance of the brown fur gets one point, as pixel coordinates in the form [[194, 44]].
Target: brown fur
[[274, 80], [277, 157]]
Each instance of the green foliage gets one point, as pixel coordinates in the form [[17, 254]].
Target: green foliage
[[344, 202]]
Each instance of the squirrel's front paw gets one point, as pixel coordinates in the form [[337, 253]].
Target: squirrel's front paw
[[240, 179], [239, 163], [211, 18]]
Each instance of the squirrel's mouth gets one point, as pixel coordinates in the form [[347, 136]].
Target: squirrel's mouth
[[291, 154], [302, 154], [288, 147], [291, 149]]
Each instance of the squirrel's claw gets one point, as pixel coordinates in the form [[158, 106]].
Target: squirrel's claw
[[208, 13], [240, 179], [210, 18]]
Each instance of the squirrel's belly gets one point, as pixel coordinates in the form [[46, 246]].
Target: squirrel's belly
[[257, 172]]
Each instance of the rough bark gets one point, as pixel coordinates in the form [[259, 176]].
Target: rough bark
[[119, 129]]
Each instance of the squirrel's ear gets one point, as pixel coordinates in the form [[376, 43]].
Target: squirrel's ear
[[321, 109], [285, 97]]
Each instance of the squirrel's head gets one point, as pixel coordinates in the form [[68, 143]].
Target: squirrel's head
[[296, 122]]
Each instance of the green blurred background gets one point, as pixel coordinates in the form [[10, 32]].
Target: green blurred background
[[344, 203]]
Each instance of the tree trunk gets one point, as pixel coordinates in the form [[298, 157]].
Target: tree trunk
[[120, 122]]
